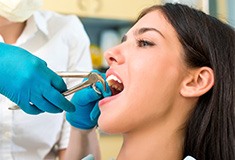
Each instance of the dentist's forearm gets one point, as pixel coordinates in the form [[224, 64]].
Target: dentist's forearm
[[82, 143]]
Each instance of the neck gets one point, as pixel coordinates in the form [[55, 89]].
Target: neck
[[153, 145], [11, 31]]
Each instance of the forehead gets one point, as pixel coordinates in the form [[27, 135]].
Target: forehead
[[156, 19]]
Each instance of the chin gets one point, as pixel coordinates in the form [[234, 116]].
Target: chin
[[111, 126], [108, 127]]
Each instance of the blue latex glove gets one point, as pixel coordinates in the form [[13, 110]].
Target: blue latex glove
[[26, 79], [86, 103], [89, 157]]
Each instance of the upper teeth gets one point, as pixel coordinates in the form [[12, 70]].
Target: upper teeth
[[112, 77], [115, 83]]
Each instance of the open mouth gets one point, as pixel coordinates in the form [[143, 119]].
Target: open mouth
[[115, 84]]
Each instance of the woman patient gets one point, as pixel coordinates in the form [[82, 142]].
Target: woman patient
[[173, 87]]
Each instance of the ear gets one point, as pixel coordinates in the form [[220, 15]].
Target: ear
[[197, 82]]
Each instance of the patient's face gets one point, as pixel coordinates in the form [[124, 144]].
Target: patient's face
[[149, 65]]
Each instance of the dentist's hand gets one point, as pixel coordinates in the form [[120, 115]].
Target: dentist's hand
[[86, 103], [27, 81]]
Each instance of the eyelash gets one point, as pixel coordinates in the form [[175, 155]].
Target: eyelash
[[144, 43]]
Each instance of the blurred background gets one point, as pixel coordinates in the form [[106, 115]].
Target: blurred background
[[107, 20]]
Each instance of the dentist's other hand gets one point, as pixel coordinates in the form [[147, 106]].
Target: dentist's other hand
[[86, 104], [27, 81]]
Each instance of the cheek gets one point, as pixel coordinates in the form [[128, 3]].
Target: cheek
[[153, 95]]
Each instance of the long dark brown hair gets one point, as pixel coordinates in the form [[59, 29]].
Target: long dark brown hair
[[210, 130]]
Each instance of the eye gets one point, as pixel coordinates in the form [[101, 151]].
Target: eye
[[144, 43]]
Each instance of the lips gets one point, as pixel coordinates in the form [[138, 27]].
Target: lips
[[115, 84]]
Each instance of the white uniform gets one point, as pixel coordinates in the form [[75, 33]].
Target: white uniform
[[63, 43]]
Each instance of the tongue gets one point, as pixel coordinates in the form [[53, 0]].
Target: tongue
[[114, 91]]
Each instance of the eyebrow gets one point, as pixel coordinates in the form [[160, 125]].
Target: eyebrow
[[143, 30]]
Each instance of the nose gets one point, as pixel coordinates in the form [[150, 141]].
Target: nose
[[114, 56]]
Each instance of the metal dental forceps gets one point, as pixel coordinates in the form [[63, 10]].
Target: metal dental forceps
[[92, 78]]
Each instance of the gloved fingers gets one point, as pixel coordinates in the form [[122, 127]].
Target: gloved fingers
[[85, 96], [29, 108], [81, 117], [105, 93], [85, 124], [57, 82], [44, 105], [99, 85], [55, 101], [95, 113], [24, 102]]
